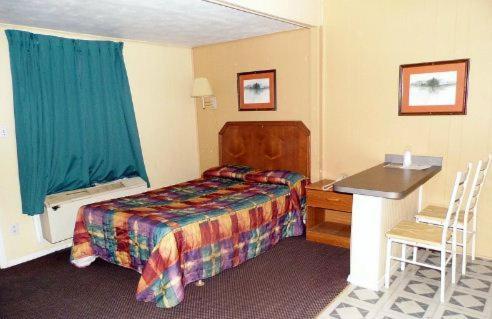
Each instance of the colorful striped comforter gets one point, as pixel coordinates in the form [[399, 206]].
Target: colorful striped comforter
[[179, 234]]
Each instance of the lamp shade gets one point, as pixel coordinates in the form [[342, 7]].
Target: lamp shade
[[201, 87]]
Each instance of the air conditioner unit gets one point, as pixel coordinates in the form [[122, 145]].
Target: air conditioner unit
[[58, 219]]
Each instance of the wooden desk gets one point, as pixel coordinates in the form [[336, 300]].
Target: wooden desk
[[329, 215], [382, 197], [381, 181]]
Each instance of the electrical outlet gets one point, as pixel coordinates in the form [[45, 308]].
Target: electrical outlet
[[14, 229], [3, 131]]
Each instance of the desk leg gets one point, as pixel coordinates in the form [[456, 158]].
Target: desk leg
[[372, 217]]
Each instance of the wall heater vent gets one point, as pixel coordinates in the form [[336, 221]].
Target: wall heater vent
[[58, 219]]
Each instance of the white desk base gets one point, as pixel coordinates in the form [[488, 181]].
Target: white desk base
[[372, 217]]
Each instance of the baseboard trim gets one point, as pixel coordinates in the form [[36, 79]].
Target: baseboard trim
[[23, 259]]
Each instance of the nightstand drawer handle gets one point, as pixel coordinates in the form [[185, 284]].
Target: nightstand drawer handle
[[334, 199]]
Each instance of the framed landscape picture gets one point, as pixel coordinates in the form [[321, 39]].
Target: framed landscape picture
[[434, 88], [257, 91]]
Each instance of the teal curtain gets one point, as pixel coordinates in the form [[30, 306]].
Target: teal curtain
[[74, 118]]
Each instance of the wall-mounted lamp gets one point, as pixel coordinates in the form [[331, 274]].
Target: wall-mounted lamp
[[202, 88]]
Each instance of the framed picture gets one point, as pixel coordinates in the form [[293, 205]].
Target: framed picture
[[434, 88], [257, 91]]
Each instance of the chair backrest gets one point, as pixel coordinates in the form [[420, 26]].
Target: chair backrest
[[456, 200], [476, 187]]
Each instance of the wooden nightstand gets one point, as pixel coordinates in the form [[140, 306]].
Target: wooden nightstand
[[329, 215]]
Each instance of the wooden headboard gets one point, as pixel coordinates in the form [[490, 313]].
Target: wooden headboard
[[266, 145]]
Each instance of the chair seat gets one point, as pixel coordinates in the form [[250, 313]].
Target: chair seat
[[437, 215], [417, 233]]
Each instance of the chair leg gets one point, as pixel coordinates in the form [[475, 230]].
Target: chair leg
[[388, 264], [474, 238], [474, 233], [414, 253], [453, 259], [465, 244], [443, 272], [403, 256]]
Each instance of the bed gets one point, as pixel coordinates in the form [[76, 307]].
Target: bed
[[187, 232]]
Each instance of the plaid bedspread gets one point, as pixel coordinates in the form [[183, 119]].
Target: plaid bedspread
[[180, 234]]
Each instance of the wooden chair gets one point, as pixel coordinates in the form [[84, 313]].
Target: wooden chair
[[436, 215], [428, 236]]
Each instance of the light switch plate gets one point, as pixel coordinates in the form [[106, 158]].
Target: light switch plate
[[3, 131], [213, 102]]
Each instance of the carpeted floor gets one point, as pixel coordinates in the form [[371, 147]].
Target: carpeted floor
[[295, 279]]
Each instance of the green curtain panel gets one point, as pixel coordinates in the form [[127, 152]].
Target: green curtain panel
[[74, 118]]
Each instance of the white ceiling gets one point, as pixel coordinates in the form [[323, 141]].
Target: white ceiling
[[177, 22]]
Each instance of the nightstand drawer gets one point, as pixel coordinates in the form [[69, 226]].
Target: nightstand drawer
[[329, 200]]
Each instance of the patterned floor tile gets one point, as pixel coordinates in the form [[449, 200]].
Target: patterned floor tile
[[366, 295], [433, 259], [474, 283], [395, 281], [409, 307], [421, 288], [483, 261], [479, 269], [428, 273], [348, 311], [468, 301], [342, 297], [384, 315], [448, 313], [451, 314], [414, 293]]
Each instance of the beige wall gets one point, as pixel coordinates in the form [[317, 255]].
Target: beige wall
[[160, 79], [365, 42], [294, 55]]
